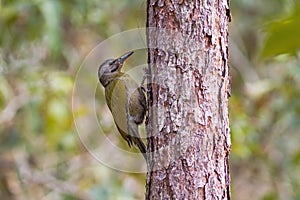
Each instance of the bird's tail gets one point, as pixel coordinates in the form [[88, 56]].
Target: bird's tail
[[135, 137]]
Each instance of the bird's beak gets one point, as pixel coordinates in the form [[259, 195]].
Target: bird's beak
[[124, 57]]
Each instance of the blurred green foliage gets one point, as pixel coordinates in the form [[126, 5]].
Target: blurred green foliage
[[264, 107], [42, 44], [283, 35]]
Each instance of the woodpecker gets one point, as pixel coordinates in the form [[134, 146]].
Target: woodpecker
[[125, 99]]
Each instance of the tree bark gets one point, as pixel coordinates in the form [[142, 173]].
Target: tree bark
[[188, 126]]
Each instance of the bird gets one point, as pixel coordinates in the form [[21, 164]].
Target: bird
[[125, 99]]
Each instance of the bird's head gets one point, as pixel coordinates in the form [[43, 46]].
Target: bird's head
[[110, 68]]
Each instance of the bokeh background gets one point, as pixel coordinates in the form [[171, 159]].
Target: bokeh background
[[42, 45]]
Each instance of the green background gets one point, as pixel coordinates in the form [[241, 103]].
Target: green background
[[43, 43]]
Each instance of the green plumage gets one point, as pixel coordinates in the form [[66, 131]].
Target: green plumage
[[125, 99]]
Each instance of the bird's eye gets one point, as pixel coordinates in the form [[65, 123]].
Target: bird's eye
[[112, 62], [114, 68]]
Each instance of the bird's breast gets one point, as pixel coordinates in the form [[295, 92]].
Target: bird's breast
[[116, 99]]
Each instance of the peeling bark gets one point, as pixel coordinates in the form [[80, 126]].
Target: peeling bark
[[188, 126]]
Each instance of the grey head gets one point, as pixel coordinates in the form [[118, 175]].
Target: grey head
[[110, 68]]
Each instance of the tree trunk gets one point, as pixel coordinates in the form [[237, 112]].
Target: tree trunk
[[188, 127]]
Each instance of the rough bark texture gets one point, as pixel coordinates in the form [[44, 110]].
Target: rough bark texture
[[188, 127]]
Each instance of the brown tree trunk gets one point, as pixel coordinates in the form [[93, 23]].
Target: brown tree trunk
[[188, 127]]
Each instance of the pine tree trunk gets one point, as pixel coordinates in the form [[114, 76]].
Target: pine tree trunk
[[188, 127]]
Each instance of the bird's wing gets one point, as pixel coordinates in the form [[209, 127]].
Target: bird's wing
[[117, 99], [137, 100], [137, 110], [137, 106]]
